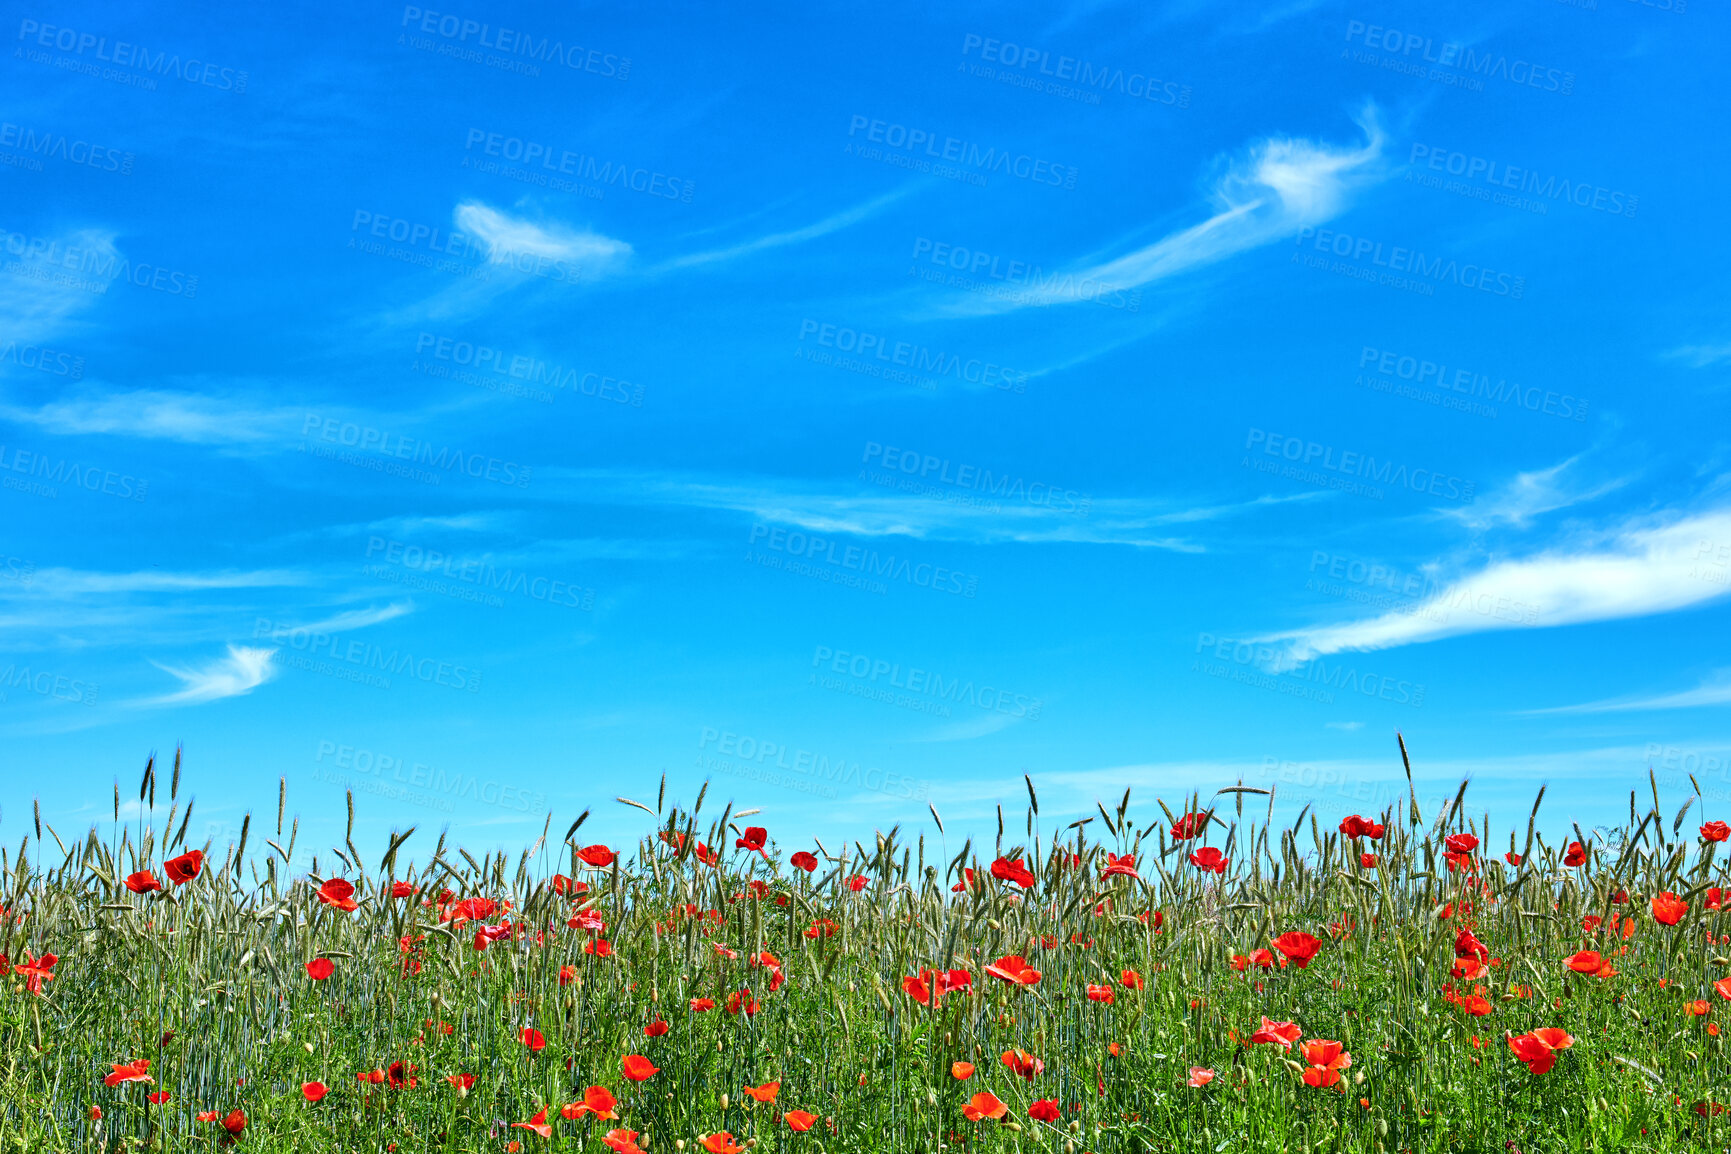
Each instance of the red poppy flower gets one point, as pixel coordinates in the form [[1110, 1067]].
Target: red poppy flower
[[205, 1116], [1512, 858], [463, 1082], [857, 882], [984, 1106], [1374, 830], [1354, 826], [961, 1071], [1012, 870], [181, 870], [1189, 826], [656, 1028], [721, 1142], [1461, 842], [402, 890], [1586, 962], [1209, 859], [597, 1100], [1715, 831], [1538, 1049], [598, 856], [313, 1091], [339, 893], [1668, 908], [157, 1098], [599, 947], [1044, 1110], [235, 1120], [765, 1092], [966, 883], [1715, 897], [805, 860], [1696, 1009], [1200, 1076], [1131, 980], [538, 1124], [1723, 988], [638, 1068], [1325, 1060], [1282, 1034], [320, 968], [1577, 855], [756, 837], [1100, 994], [699, 1005], [1013, 968], [96, 1113], [622, 1142], [918, 989], [1298, 947], [1367, 860], [137, 1071], [142, 882], [1119, 867], [400, 1074], [532, 1038], [1022, 1063], [799, 1121], [1475, 1005]]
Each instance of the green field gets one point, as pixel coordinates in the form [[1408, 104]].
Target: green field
[[1102, 986]]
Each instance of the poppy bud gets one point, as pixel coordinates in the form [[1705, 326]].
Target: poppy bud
[[1296, 1067], [1015, 1126], [1358, 1078], [309, 1046], [724, 1101], [679, 1143], [1069, 1147]]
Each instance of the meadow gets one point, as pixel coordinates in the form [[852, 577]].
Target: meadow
[[1153, 977]]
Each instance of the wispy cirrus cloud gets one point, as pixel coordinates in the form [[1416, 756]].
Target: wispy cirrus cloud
[[1530, 495], [160, 414], [242, 670], [810, 232], [817, 508], [1716, 690], [1282, 186], [1636, 569], [508, 237]]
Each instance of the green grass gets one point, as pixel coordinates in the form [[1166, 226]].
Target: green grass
[[207, 980]]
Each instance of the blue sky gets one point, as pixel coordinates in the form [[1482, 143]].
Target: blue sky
[[494, 409]]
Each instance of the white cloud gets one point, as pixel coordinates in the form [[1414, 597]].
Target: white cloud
[[356, 618], [1701, 356], [1715, 691], [1284, 185], [823, 227], [243, 670], [1529, 495], [1139, 522], [191, 418], [507, 237], [32, 308], [74, 582], [1635, 570]]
